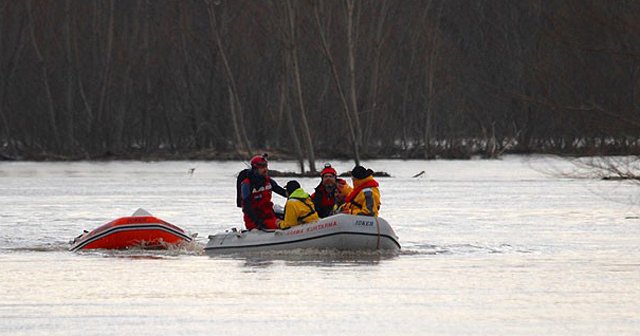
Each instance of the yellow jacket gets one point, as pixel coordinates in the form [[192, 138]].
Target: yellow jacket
[[364, 199], [298, 210], [344, 189]]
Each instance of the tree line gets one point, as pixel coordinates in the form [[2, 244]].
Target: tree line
[[323, 78]]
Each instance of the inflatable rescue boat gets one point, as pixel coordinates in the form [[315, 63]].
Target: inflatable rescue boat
[[339, 232], [138, 230]]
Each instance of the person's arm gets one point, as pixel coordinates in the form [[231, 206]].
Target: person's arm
[[246, 205], [278, 189], [316, 198], [290, 215], [368, 197], [344, 190]]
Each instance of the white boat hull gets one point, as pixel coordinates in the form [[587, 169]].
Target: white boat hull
[[338, 232]]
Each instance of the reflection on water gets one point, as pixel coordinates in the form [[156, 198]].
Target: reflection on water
[[295, 257], [183, 249], [313, 256], [310, 257], [462, 249], [37, 248]]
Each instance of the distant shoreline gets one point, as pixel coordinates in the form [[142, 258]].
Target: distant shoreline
[[216, 155]]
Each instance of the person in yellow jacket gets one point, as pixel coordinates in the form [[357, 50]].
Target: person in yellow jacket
[[299, 208], [365, 198]]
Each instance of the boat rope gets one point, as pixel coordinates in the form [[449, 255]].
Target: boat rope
[[378, 227]]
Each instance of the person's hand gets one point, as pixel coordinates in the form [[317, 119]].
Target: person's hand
[[280, 222]]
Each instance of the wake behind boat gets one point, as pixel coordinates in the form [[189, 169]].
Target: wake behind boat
[[339, 232], [138, 230]]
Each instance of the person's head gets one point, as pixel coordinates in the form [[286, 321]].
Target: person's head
[[292, 186], [329, 176], [359, 173], [260, 164]]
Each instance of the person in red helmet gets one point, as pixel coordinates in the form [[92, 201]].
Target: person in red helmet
[[330, 193], [256, 191]]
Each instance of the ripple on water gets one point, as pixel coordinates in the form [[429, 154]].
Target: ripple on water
[[462, 249]]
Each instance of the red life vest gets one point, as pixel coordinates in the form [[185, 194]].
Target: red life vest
[[327, 199], [324, 200], [261, 199], [358, 189]]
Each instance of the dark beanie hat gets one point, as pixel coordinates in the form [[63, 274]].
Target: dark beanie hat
[[360, 172], [292, 186]]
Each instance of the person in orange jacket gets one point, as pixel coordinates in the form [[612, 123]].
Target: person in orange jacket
[[364, 200]]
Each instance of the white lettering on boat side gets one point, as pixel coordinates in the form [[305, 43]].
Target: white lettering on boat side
[[313, 228], [364, 223]]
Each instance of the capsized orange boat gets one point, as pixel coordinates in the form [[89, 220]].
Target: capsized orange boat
[[138, 230]]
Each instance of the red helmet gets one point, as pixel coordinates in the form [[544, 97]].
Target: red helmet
[[259, 161], [328, 170]]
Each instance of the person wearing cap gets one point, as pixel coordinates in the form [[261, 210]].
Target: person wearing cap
[[330, 193], [256, 191], [365, 198], [299, 208]]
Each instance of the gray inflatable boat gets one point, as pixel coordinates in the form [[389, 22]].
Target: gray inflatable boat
[[338, 232]]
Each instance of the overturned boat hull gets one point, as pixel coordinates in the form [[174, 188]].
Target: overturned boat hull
[[338, 232], [139, 230]]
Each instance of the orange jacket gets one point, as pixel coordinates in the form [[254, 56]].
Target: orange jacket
[[364, 199]]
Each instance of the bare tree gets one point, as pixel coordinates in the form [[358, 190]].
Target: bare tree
[[105, 79], [70, 129], [236, 106], [7, 75], [53, 123], [351, 46], [430, 69], [378, 43], [334, 72], [291, 18], [292, 128]]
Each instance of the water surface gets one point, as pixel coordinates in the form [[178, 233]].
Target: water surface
[[489, 247]]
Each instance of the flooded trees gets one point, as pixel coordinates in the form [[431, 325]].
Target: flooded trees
[[351, 116], [235, 105], [317, 79], [292, 62]]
